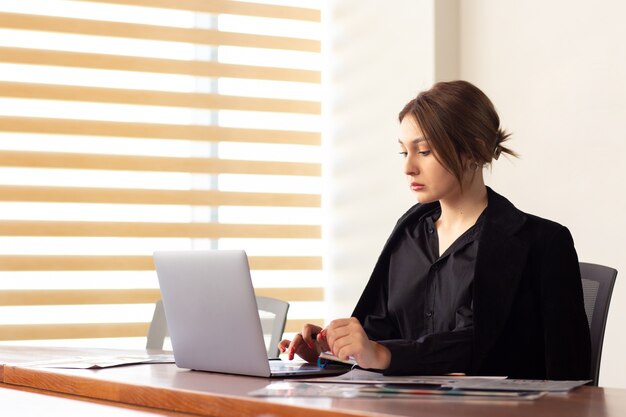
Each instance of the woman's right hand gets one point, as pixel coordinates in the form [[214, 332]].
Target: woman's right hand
[[307, 344]]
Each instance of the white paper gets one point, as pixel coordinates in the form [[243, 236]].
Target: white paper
[[360, 376], [308, 389], [517, 385], [97, 362]]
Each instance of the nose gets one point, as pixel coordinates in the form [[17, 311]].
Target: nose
[[410, 167]]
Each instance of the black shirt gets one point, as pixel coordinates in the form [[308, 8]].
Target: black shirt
[[430, 299]]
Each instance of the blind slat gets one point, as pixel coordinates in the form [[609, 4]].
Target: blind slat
[[149, 196], [63, 160], [154, 65], [152, 32], [155, 98], [296, 325], [138, 263], [130, 296], [101, 330], [72, 331], [141, 229], [155, 131], [226, 7], [77, 297]]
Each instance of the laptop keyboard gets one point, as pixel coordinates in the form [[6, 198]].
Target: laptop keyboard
[[279, 366]]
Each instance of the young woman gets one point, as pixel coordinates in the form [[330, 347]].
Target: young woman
[[466, 282]]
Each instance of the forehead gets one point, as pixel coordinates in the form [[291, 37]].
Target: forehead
[[410, 131]]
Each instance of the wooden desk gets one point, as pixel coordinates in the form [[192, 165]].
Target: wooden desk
[[168, 387]]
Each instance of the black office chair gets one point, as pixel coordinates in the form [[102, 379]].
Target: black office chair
[[598, 284]]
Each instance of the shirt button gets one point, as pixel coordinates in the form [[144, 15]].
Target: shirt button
[[429, 314], [431, 230]]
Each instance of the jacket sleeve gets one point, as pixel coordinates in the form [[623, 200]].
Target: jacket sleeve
[[566, 331], [434, 354]]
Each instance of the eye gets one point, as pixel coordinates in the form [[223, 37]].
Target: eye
[[424, 153], [403, 153]]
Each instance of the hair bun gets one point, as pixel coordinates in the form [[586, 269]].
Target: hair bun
[[497, 152]]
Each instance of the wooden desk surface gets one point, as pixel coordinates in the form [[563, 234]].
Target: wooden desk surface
[[20, 401], [22, 354], [168, 387]]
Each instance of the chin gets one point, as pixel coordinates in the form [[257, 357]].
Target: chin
[[424, 198]]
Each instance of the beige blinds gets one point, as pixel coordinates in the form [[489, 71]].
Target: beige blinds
[[129, 126]]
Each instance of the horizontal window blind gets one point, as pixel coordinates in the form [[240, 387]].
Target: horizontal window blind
[[129, 126]]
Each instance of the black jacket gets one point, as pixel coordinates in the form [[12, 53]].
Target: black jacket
[[529, 317]]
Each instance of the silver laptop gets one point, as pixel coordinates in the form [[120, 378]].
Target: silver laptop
[[213, 319]]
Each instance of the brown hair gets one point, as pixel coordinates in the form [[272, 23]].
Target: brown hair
[[458, 120]]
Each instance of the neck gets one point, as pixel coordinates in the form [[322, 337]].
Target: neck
[[464, 208]]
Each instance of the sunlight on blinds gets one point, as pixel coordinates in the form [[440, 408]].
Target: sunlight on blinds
[[130, 126]]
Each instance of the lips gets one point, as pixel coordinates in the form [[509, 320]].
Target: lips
[[416, 186]]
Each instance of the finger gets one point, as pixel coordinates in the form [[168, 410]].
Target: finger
[[336, 329], [347, 346], [283, 345], [329, 338], [343, 336], [338, 323], [322, 334], [338, 342], [334, 334], [309, 334], [321, 341], [294, 345], [342, 327], [344, 352]]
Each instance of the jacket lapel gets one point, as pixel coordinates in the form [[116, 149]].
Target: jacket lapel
[[500, 264]]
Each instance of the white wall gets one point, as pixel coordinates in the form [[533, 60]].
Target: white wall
[[371, 70], [556, 72]]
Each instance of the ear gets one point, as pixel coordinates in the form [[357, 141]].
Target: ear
[[468, 163]]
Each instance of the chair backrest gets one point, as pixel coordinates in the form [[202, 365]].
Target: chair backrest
[[598, 282], [157, 332], [273, 313], [274, 325]]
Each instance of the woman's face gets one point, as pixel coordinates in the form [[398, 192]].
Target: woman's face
[[427, 178]]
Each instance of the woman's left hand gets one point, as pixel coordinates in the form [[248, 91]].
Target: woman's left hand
[[346, 338]]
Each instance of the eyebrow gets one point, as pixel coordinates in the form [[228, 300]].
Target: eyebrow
[[414, 141]]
